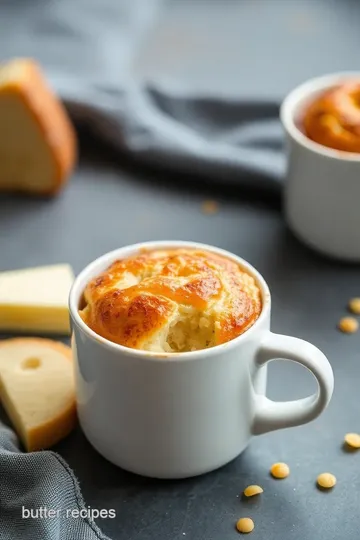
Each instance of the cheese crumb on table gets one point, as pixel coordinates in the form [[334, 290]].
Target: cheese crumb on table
[[245, 525], [252, 490], [326, 480], [352, 440], [210, 207], [348, 325], [280, 470], [354, 306]]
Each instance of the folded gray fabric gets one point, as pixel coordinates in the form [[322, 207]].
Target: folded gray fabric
[[40, 496], [223, 142]]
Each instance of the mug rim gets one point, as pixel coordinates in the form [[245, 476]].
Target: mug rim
[[289, 107], [100, 263]]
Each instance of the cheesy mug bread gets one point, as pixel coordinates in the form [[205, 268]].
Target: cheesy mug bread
[[333, 118], [321, 120], [174, 300], [170, 343]]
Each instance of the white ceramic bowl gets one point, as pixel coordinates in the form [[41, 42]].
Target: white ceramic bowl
[[322, 190]]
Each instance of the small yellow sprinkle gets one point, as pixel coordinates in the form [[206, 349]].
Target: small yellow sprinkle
[[210, 207], [250, 491], [245, 525], [353, 440], [280, 470], [326, 480], [349, 325], [354, 305]]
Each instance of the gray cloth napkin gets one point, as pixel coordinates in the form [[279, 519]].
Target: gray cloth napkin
[[188, 86], [33, 484]]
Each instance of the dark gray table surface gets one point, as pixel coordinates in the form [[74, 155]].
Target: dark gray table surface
[[105, 207]]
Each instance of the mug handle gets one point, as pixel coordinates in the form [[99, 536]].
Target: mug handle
[[272, 415]]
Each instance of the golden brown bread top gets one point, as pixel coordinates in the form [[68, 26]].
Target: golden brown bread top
[[333, 119], [172, 301]]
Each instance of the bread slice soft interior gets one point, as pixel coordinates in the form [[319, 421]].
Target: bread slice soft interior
[[37, 139]]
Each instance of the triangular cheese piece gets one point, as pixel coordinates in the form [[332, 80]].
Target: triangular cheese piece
[[37, 390], [36, 299]]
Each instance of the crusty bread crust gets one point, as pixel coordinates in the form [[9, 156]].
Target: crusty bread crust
[[172, 301], [333, 119], [52, 119]]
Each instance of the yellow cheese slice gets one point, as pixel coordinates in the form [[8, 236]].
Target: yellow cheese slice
[[36, 299], [37, 390]]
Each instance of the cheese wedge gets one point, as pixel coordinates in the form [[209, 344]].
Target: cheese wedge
[[37, 140], [37, 390], [36, 299]]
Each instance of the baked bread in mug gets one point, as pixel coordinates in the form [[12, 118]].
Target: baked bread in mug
[[173, 300], [333, 119]]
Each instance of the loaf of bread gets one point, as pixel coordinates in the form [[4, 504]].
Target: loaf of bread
[[37, 139], [37, 390], [333, 118], [172, 301]]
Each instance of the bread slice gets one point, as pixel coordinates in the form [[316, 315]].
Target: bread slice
[[37, 139], [36, 299], [37, 390]]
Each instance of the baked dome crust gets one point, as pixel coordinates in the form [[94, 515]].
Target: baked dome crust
[[333, 119], [174, 300]]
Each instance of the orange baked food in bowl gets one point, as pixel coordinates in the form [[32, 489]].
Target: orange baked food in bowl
[[172, 300], [333, 118]]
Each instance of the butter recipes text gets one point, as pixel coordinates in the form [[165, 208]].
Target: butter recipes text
[[50, 513]]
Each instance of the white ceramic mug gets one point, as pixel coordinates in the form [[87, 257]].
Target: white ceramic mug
[[322, 189], [183, 414]]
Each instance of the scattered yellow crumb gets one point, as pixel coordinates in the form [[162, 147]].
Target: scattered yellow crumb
[[210, 207], [280, 470], [353, 440], [326, 480], [349, 325], [354, 305], [245, 525], [250, 491]]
